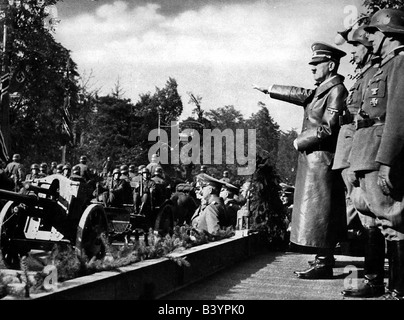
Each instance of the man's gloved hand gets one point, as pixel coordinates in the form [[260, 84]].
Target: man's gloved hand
[[383, 180], [352, 178], [263, 90], [295, 144]]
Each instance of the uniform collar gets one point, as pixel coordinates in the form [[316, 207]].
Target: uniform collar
[[328, 84], [393, 53]]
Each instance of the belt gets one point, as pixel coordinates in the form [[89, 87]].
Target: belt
[[369, 122]]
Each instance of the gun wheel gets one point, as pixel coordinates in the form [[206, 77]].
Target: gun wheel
[[92, 232], [8, 225]]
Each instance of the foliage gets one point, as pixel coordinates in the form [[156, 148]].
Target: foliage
[[286, 164], [70, 265], [374, 5], [46, 75], [268, 214], [267, 131]]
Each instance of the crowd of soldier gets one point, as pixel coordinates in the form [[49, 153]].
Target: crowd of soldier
[[145, 187]]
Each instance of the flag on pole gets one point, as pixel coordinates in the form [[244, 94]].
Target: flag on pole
[[66, 117], [5, 84], [3, 148]]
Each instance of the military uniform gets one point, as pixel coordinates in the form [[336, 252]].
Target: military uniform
[[379, 139], [319, 198], [144, 195], [15, 171], [377, 153], [345, 137], [212, 216], [318, 217]]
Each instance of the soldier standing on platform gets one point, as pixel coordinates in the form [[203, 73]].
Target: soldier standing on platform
[[318, 218], [373, 239], [377, 155], [362, 56]]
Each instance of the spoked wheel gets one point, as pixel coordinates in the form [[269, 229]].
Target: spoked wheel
[[92, 228], [165, 220], [8, 226]]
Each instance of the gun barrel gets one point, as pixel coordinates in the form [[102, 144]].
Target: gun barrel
[[20, 198]]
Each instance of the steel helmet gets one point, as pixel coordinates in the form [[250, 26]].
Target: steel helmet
[[35, 166], [132, 168], [203, 168], [59, 167], [145, 170], [76, 170], [43, 165], [116, 170], [140, 168], [158, 170], [360, 36], [83, 159], [124, 169], [387, 21], [16, 157], [67, 167]]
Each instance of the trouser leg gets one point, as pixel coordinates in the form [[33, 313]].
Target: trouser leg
[[372, 284]]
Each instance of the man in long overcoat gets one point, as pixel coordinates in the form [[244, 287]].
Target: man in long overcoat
[[318, 217]]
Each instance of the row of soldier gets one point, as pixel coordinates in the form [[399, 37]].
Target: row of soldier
[[351, 156], [145, 187]]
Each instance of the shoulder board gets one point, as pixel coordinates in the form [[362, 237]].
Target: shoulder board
[[333, 110]]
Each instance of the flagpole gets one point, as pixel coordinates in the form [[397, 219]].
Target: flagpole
[[5, 79]]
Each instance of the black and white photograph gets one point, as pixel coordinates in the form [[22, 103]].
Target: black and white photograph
[[202, 157]]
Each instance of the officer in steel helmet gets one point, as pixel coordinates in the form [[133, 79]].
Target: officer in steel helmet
[[59, 168], [377, 156], [358, 223], [34, 174], [143, 196], [226, 176], [75, 174], [319, 200], [84, 170], [15, 171], [53, 168], [163, 191], [67, 170], [108, 186], [132, 171], [43, 169]]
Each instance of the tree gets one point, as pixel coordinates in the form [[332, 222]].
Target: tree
[[43, 77], [286, 164], [374, 5], [267, 133], [228, 120]]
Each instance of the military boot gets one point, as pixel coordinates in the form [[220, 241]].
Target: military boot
[[372, 284], [395, 251], [321, 268]]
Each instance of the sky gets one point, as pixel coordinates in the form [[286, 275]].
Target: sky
[[214, 49]]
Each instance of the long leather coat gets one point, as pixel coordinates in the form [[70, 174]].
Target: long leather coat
[[318, 217]]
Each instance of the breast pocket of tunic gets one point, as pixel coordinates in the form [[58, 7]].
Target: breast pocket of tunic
[[377, 87], [354, 95]]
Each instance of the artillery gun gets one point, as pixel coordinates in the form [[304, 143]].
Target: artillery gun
[[48, 211]]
